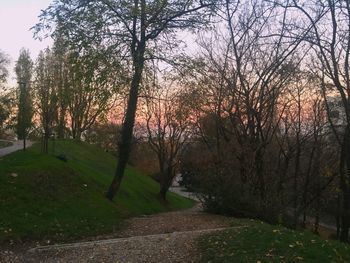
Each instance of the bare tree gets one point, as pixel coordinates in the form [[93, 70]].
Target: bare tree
[[250, 71], [329, 37], [168, 127], [254, 109]]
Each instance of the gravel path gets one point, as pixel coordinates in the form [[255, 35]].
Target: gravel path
[[182, 191], [17, 145], [165, 237], [173, 247]]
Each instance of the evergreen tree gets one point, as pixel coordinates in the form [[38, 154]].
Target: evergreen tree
[[24, 69]]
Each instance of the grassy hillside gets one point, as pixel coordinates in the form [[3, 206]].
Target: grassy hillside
[[261, 242], [44, 198]]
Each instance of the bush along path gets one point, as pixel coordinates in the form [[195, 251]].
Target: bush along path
[[164, 237]]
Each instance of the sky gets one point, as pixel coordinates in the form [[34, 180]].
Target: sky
[[16, 19]]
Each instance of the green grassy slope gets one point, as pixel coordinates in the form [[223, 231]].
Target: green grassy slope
[[261, 242], [42, 197]]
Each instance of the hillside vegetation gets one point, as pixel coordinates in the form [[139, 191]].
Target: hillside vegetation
[[45, 198]]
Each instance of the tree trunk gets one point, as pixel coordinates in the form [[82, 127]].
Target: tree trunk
[[345, 175], [344, 234], [304, 218], [24, 143], [165, 181], [162, 192], [77, 136], [45, 147], [317, 220], [128, 125], [338, 215], [61, 122], [259, 164], [318, 206], [282, 178], [295, 186]]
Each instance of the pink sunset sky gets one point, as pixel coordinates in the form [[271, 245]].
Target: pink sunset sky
[[16, 19]]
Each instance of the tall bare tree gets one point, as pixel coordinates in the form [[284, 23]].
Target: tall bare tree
[[168, 125], [329, 37], [250, 69]]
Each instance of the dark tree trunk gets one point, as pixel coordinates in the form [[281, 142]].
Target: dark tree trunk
[[259, 164], [338, 215], [304, 218], [307, 181], [345, 176], [295, 186], [282, 178], [345, 225], [165, 182], [24, 143], [317, 220], [61, 124], [45, 146], [318, 205], [162, 182], [46, 136], [76, 134], [162, 192], [128, 125]]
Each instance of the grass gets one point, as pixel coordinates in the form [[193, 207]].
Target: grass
[[261, 242], [44, 198], [4, 144]]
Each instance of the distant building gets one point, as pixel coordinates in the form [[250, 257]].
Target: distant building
[[177, 180], [337, 114]]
